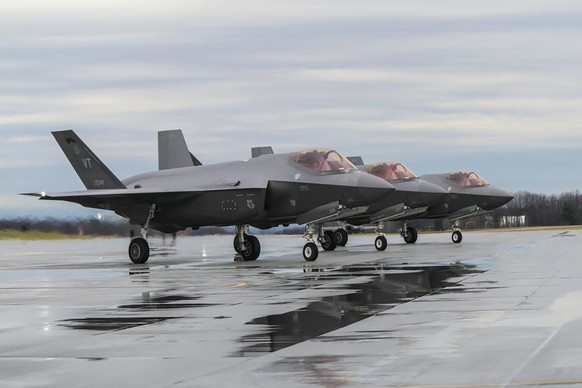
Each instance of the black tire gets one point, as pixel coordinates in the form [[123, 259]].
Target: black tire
[[457, 236], [380, 243], [253, 248], [139, 251], [310, 251], [328, 241], [341, 237], [411, 235]]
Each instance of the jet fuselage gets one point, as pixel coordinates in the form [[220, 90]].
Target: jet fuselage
[[266, 191]]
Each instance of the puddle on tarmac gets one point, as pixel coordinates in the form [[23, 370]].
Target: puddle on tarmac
[[359, 292], [110, 323], [148, 302], [382, 288], [154, 302]]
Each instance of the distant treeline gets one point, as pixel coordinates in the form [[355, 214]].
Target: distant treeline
[[546, 210], [526, 209]]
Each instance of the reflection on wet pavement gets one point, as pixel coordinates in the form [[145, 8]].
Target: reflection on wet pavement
[[382, 288], [110, 323]]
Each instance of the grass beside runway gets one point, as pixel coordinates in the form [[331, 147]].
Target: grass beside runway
[[12, 234]]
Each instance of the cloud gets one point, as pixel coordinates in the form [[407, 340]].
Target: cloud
[[414, 80]]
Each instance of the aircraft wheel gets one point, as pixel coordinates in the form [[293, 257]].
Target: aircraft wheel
[[236, 243], [411, 235], [328, 241], [253, 249], [139, 250], [310, 251], [341, 236], [381, 243], [457, 236]]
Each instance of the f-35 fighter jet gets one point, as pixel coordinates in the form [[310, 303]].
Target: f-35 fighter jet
[[463, 194], [469, 195], [412, 196], [305, 187]]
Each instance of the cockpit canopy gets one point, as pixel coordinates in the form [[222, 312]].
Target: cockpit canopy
[[390, 171], [322, 160], [466, 178]]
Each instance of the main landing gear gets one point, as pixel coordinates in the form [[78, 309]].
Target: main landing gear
[[341, 237], [139, 249], [246, 245], [326, 238], [409, 234]]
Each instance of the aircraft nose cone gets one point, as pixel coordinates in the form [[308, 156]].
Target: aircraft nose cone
[[498, 198], [431, 193], [372, 188]]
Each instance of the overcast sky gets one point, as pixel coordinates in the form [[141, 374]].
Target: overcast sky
[[493, 86]]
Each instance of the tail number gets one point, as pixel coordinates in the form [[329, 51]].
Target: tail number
[[87, 162], [98, 182]]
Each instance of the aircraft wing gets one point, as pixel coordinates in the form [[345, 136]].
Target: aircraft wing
[[110, 198]]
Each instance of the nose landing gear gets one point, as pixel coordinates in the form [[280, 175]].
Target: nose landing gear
[[139, 249], [457, 236], [380, 243]]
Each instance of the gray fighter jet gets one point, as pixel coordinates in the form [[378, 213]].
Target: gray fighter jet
[[467, 195], [412, 197], [305, 187]]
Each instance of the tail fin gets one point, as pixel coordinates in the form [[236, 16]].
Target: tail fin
[[258, 151], [93, 173], [356, 160], [173, 151]]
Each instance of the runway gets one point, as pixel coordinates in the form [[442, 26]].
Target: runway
[[501, 309]]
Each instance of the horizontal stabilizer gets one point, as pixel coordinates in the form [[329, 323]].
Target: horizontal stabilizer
[[93, 173]]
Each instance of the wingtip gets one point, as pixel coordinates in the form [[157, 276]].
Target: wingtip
[[38, 195]]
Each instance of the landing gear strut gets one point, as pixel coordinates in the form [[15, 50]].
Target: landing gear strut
[[246, 245], [326, 238], [139, 249]]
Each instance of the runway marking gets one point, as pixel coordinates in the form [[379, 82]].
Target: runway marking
[[531, 357], [487, 385]]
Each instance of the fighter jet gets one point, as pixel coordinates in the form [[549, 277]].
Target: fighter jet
[[467, 195], [412, 196], [304, 187]]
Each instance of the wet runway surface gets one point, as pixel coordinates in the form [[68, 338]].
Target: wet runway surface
[[500, 309]]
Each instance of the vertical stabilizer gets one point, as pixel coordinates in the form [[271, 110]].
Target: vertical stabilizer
[[258, 151], [173, 151], [93, 173], [356, 161]]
